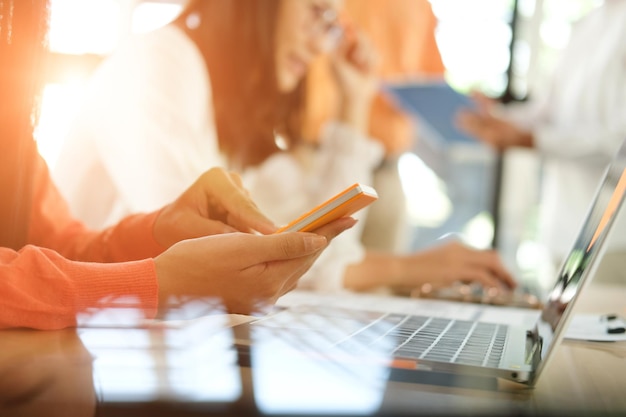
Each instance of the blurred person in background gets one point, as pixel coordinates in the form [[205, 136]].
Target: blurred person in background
[[576, 123], [403, 34], [225, 84], [53, 268]]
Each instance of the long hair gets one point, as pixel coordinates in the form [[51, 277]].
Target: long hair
[[237, 42], [23, 30]]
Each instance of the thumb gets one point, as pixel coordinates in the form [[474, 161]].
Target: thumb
[[193, 227], [197, 226], [283, 246]]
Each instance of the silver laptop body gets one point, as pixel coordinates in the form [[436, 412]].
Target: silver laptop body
[[450, 346]]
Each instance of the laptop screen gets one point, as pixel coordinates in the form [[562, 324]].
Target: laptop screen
[[580, 263]]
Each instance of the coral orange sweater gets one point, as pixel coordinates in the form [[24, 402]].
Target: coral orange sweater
[[67, 269]]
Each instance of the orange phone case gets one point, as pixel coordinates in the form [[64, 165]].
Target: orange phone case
[[343, 204]]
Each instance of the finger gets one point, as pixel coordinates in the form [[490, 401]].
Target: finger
[[460, 119], [281, 246], [481, 276], [488, 278], [235, 200], [240, 225], [489, 261], [467, 119], [290, 245], [292, 282], [336, 227], [236, 178], [482, 102], [480, 127], [197, 226], [285, 257], [279, 276], [504, 277], [292, 270], [347, 43], [361, 55]]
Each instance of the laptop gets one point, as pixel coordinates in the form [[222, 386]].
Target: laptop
[[421, 345]]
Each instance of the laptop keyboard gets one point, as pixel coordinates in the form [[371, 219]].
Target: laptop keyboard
[[440, 339], [407, 336]]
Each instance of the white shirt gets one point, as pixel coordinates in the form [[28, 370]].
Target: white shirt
[[146, 132], [579, 122]]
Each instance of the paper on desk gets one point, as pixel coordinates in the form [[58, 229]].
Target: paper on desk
[[591, 327]]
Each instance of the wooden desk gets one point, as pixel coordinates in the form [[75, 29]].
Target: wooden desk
[[587, 376], [194, 371]]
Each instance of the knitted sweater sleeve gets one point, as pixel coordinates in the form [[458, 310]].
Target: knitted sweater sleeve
[[53, 226], [68, 269], [43, 290]]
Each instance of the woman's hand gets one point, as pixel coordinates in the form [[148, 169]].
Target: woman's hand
[[216, 203], [354, 67], [483, 125], [453, 262], [440, 266], [242, 273]]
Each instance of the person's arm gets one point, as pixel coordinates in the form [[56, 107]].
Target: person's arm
[[215, 203], [53, 226], [439, 266], [354, 68], [240, 273], [578, 114], [42, 290], [594, 125], [245, 272]]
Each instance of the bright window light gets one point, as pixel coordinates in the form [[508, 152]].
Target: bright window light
[[427, 202], [84, 26], [59, 105], [479, 231], [148, 15]]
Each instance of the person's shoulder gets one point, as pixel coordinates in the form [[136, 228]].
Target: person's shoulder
[[166, 33], [151, 53], [154, 43], [160, 39]]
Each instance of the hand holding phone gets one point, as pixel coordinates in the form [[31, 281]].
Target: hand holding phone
[[343, 204]]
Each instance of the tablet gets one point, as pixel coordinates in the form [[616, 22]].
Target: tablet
[[434, 104], [343, 204]]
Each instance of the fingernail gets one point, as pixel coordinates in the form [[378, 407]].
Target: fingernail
[[314, 242], [354, 222]]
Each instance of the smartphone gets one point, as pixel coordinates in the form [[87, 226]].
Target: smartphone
[[343, 204]]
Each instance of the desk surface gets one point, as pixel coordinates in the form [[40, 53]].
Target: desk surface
[[193, 370]]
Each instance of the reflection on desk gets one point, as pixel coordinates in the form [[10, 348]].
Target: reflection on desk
[[193, 368], [45, 374]]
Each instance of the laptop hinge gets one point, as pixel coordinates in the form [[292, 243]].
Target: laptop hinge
[[534, 344]]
